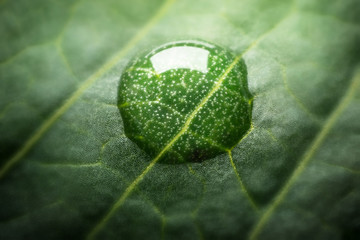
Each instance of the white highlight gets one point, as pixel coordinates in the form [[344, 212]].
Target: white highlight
[[186, 57]]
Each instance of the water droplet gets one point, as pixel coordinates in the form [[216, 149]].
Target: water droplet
[[185, 101]]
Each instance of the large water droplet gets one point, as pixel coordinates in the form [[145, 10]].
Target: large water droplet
[[185, 101]]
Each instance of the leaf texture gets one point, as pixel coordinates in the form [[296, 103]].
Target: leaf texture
[[68, 171]]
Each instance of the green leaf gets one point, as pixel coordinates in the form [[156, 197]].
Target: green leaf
[[67, 171]]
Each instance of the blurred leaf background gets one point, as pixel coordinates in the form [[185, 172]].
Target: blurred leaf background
[[67, 171]]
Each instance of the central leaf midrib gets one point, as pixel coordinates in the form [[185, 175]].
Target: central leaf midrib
[[185, 127], [131, 187]]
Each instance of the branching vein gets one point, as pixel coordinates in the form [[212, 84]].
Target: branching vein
[[243, 188]]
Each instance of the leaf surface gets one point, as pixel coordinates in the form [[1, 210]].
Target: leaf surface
[[68, 171]]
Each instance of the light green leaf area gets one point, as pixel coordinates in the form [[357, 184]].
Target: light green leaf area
[[67, 171]]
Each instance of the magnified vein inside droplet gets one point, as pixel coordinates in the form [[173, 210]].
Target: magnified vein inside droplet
[[185, 87]]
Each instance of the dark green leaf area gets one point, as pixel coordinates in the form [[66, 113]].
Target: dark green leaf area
[[185, 101]]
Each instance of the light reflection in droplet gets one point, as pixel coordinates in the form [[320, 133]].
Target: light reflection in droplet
[[185, 57]]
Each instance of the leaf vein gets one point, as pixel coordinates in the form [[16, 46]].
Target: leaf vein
[[46, 125], [242, 186], [216, 86], [319, 139]]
